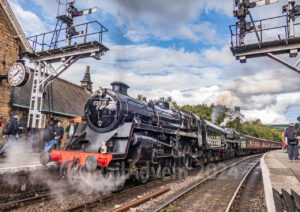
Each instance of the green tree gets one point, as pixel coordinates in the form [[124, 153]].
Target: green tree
[[175, 105], [235, 124], [140, 97], [201, 110]]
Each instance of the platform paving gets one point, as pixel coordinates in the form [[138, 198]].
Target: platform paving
[[25, 161], [279, 173]]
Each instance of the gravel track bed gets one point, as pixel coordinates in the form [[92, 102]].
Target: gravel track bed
[[176, 183], [60, 203], [194, 176], [215, 194], [252, 197]]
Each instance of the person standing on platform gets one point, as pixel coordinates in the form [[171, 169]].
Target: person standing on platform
[[70, 130], [21, 129], [49, 135], [298, 139], [11, 129], [292, 142], [59, 133]]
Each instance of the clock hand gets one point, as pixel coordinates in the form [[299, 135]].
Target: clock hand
[[16, 73]]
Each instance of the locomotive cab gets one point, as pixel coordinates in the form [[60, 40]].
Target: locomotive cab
[[163, 104]]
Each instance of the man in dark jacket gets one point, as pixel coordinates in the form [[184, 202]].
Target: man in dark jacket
[[59, 133], [293, 150], [21, 129], [49, 134], [13, 131]]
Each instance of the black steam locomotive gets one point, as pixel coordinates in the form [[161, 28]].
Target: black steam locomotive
[[122, 131]]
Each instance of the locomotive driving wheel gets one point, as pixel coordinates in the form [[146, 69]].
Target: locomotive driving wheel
[[174, 166], [63, 172], [143, 175], [187, 161], [71, 170]]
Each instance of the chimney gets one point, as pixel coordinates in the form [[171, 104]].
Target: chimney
[[86, 81], [120, 87]]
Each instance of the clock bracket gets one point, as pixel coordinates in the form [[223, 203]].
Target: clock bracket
[[3, 77]]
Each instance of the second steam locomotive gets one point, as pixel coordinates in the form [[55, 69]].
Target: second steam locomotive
[[122, 131]]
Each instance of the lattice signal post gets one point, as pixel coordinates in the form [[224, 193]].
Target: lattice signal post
[[63, 47], [259, 42]]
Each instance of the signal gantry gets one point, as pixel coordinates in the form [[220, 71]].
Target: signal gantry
[[256, 38], [56, 51]]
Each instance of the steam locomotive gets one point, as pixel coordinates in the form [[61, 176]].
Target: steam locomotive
[[120, 131]]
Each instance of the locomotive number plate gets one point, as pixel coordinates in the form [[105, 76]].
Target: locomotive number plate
[[100, 104]]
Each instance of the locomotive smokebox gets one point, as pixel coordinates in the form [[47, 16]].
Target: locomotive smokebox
[[120, 87]]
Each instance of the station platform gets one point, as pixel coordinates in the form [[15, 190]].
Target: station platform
[[280, 178], [21, 162]]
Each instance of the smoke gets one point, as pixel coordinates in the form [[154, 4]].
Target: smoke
[[18, 152], [216, 112], [228, 99], [226, 120], [231, 115], [95, 182]]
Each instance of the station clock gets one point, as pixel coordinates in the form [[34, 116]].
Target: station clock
[[18, 74]]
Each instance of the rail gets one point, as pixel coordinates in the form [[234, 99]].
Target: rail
[[141, 200], [17, 203], [238, 190], [107, 199], [184, 192]]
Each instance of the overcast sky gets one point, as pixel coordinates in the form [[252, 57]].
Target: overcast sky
[[180, 49]]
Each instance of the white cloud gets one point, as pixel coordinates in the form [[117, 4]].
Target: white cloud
[[275, 113], [29, 21], [190, 78], [220, 6], [261, 87], [219, 56], [164, 20], [273, 81]]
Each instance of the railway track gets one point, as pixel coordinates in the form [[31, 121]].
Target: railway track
[[235, 197], [115, 196], [26, 200], [137, 201], [179, 199], [106, 202]]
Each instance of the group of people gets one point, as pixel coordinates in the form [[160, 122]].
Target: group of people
[[13, 130], [53, 134], [293, 136]]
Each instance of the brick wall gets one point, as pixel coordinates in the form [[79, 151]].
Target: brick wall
[[9, 51]]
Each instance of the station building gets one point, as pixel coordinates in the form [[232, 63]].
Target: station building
[[62, 99]]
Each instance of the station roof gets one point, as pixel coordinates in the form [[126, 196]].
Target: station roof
[[68, 99], [15, 26]]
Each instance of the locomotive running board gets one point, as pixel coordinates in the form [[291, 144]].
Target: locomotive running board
[[63, 156], [168, 131]]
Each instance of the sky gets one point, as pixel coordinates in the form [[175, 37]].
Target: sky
[[180, 49]]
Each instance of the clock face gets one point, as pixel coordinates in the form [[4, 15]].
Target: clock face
[[16, 74]]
